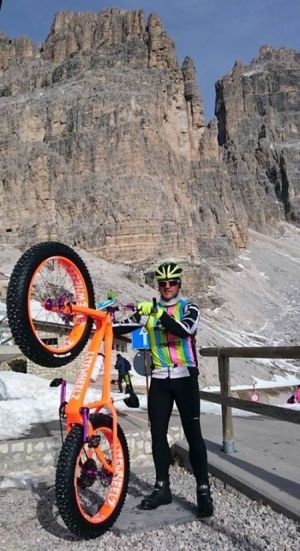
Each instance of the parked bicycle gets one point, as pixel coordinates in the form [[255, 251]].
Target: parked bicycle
[[52, 316]]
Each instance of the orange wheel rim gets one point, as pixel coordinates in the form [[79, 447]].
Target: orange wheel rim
[[56, 274], [113, 493]]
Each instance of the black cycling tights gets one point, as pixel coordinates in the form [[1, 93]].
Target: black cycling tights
[[185, 392]]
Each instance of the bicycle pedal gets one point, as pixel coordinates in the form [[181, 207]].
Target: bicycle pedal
[[94, 441], [132, 401]]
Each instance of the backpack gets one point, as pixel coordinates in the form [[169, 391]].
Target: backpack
[[127, 365]]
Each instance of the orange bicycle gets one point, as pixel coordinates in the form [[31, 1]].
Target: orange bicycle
[[52, 314]]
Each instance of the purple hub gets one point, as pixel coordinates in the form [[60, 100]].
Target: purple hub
[[59, 302]]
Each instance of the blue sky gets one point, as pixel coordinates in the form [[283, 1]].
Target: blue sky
[[215, 33]]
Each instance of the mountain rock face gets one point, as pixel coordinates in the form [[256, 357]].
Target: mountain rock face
[[258, 111], [100, 142], [103, 144]]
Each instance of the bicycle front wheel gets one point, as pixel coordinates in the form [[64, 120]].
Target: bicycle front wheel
[[89, 497], [47, 274]]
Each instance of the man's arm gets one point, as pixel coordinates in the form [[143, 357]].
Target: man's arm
[[184, 327]]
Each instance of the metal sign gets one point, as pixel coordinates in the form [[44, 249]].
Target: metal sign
[[140, 339], [142, 362], [254, 397]]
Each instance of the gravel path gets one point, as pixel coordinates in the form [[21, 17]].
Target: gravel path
[[30, 521]]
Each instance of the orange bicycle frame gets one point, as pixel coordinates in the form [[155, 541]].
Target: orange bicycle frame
[[76, 405]]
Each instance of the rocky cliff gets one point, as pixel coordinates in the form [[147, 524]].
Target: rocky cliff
[[100, 143], [103, 143], [258, 111]]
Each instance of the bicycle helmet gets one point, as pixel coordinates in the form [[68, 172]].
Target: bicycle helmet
[[168, 270]]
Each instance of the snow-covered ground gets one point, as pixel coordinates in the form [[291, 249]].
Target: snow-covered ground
[[26, 400], [261, 307], [277, 382]]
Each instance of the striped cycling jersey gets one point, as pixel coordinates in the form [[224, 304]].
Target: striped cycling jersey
[[172, 335]]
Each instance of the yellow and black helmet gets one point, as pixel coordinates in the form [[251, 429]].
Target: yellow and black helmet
[[168, 270]]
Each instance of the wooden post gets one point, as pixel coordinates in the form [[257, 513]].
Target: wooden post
[[227, 424]]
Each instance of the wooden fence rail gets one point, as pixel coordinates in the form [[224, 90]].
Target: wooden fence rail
[[227, 401]]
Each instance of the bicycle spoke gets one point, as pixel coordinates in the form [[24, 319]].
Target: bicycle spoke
[[53, 282]]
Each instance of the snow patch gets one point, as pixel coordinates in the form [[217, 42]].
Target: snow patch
[[28, 400]]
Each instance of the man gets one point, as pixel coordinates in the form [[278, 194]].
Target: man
[[122, 366], [171, 328]]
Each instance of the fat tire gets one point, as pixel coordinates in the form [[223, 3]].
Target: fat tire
[[17, 310], [64, 485]]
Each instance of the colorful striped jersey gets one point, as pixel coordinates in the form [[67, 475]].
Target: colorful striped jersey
[[168, 349]]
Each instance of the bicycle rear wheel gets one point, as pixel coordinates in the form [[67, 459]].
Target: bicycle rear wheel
[[89, 497], [47, 274]]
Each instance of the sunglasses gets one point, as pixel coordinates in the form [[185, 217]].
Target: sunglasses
[[170, 282]]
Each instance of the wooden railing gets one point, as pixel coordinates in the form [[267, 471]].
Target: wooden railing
[[227, 401]]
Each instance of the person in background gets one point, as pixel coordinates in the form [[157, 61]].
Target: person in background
[[172, 327], [291, 399], [123, 367], [297, 395]]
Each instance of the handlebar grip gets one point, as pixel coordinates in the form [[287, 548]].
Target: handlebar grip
[[154, 301]]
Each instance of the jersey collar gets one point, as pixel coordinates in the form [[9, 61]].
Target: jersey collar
[[170, 302]]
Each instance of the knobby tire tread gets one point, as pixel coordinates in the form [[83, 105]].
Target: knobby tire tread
[[65, 490], [17, 312]]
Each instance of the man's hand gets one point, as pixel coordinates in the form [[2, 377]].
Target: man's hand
[[147, 309]]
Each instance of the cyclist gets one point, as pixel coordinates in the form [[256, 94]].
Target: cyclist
[[171, 330], [123, 367]]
